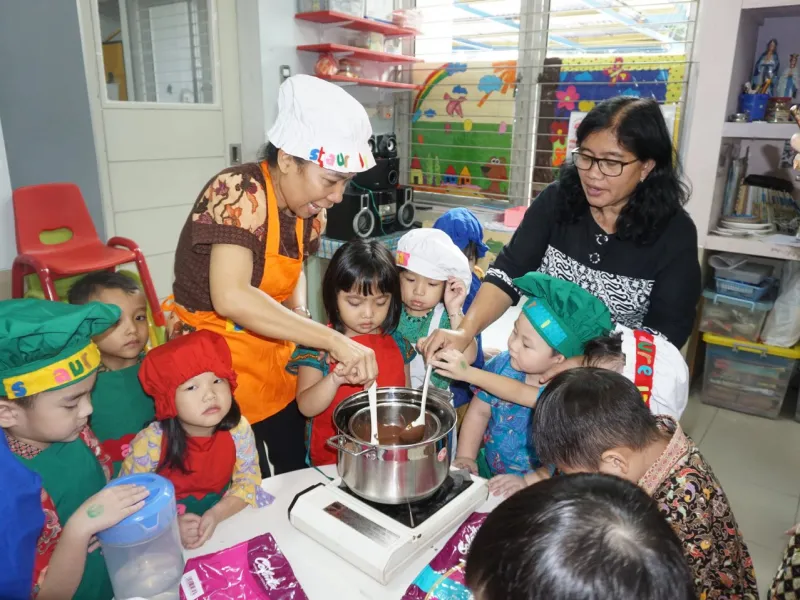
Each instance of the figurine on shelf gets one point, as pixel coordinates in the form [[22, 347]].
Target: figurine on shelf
[[790, 78], [766, 70]]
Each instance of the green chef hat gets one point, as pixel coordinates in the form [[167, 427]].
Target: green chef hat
[[48, 345], [564, 314]]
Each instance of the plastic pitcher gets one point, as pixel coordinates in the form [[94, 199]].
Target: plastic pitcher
[[143, 552]]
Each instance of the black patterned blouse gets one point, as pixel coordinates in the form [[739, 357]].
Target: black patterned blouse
[[654, 286]]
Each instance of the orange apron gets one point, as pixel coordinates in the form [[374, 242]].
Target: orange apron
[[264, 386]]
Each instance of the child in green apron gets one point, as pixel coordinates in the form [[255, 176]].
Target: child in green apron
[[47, 370], [200, 440], [121, 408], [434, 281]]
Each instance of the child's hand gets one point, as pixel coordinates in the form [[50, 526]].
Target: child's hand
[[463, 462], [451, 363], [189, 527], [107, 508], [505, 485], [454, 295], [207, 526]]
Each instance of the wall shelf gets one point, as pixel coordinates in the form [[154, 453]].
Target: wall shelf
[[329, 17], [343, 80], [760, 130], [751, 246], [359, 53]]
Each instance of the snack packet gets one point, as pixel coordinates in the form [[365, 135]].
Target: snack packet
[[252, 570], [443, 578]]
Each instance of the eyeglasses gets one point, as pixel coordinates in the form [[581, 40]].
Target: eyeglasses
[[607, 166]]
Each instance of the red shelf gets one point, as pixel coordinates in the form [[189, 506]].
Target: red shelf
[[369, 82], [360, 53], [329, 17]]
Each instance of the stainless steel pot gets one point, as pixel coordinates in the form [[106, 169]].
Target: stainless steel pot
[[398, 473]]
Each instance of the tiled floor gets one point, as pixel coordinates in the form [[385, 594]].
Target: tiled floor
[[758, 464]]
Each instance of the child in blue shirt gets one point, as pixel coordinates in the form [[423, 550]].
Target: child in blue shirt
[[556, 322], [466, 232]]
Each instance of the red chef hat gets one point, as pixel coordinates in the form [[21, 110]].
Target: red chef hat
[[166, 367]]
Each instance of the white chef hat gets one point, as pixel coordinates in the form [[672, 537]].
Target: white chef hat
[[658, 368], [320, 122], [431, 253]]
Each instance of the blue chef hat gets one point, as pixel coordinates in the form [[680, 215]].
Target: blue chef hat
[[463, 227]]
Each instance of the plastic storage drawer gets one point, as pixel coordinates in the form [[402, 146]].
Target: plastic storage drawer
[[749, 378], [733, 317]]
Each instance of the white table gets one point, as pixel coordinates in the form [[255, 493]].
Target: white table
[[322, 574]]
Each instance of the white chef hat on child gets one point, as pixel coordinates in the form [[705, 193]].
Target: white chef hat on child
[[658, 369], [320, 122], [431, 253]]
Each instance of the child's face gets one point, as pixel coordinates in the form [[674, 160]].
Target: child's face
[[420, 294], [127, 338], [202, 402], [362, 314], [53, 416], [528, 351]]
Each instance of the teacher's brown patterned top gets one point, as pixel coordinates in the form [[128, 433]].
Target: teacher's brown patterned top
[[690, 497], [231, 209]]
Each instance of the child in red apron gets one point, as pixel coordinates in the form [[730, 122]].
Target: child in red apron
[[361, 294], [200, 441], [121, 408], [47, 370]]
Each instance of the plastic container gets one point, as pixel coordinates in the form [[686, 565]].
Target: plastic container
[[746, 377], [143, 552], [749, 272], [349, 7], [743, 291], [733, 317], [512, 217], [755, 105]]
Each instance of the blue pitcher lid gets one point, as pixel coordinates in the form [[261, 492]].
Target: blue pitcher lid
[[157, 514]]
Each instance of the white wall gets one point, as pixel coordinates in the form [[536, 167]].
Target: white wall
[[8, 248]]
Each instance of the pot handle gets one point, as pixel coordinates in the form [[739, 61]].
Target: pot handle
[[337, 442]]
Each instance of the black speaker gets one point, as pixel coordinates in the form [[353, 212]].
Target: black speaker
[[360, 214], [373, 144], [383, 176], [386, 146], [404, 207]]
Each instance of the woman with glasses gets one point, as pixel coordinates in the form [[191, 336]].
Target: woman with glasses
[[613, 223]]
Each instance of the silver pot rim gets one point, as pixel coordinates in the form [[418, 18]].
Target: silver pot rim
[[437, 395]]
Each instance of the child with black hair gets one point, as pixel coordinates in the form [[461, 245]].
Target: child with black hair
[[121, 408], [200, 441], [593, 420], [361, 294], [47, 371], [578, 537], [556, 322]]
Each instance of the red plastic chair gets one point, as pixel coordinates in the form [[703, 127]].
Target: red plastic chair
[[53, 206]]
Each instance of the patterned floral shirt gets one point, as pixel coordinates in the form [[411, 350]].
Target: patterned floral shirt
[[692, 500], [246, 478], [507, 440]]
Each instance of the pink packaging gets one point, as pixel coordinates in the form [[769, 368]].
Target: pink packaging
[[443, 578], [252, 570]]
